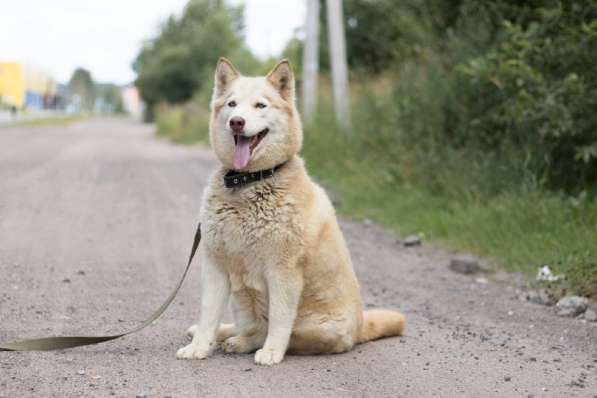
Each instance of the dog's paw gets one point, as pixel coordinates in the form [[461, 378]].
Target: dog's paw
[[192, 351], [268, 356], [238, 344], [192, 330]]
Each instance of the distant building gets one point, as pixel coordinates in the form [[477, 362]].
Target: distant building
[[25, 86], [131, 102]]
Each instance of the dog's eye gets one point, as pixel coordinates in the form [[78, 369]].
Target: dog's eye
[[232, 104], [260, 105]]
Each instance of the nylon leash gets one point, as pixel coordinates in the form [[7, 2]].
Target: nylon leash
[[60, 342]]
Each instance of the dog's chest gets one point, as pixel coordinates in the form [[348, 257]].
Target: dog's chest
[[252, 225]]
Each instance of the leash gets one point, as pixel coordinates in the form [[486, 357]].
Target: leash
[[60, 342]]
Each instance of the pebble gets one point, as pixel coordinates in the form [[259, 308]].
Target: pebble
[[411, 240], [81, 372], [591, 315], [465, 264], [141, 395], [572, 306], [66, 280], [537, 297]]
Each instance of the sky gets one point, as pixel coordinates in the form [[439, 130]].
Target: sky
[[104, 36]]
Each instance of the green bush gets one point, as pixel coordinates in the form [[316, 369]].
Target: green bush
[[458, 198], [535, 94], [482, 138], [186, 124]]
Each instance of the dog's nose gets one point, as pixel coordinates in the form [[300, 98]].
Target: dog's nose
[[237, 123]]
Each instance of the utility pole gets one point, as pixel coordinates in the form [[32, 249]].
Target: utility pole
[[311, 60], [338, 61]]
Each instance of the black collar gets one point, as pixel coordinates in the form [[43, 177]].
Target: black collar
[[234, 179]]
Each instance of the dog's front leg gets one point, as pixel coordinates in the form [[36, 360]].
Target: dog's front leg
[[284, 286], [215, 291]]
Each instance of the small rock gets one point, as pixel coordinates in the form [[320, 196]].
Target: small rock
[[66, 280], [80, 272], [141, 395], [482, 281], [81, 372], [367, 221], [591, 315], [411, 240], [572, 305], [539, 297], [507, 378], [465, 264]]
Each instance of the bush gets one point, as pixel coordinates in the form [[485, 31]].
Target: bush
[[535, 94], [185, 124], [483, 138]]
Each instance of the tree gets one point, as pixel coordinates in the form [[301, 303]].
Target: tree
[[82, 89], [180, 60]]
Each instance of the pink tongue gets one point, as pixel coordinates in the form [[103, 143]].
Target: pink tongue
[[242, 152]]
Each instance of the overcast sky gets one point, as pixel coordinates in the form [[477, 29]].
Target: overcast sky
[[105, 35]]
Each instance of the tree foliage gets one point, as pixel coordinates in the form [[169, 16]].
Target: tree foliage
[[174, 65], [510, 84], [536, 91], [82, 89]]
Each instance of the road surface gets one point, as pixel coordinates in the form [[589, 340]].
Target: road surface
[[96, 219]]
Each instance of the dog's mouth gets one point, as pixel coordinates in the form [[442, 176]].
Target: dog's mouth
[[244, 147]]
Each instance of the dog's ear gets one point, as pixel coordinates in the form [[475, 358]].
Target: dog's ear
[[282, 78], [226, 73]]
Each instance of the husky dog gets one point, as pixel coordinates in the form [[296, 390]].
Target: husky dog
[[271, 241]]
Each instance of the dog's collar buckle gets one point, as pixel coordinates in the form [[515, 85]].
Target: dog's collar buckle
[[235, 179]]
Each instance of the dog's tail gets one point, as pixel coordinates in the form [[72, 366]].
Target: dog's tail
[[381, 323]]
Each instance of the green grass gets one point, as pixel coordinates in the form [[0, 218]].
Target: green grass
[[519, 232], [46, 121]]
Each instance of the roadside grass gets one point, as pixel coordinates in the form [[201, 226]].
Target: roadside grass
[[184, 124], [45, 121], [520, 227], [518, 232]]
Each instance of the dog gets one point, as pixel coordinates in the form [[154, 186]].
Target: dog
[[271, 242]]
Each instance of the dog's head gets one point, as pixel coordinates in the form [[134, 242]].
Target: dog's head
[[254, 123]]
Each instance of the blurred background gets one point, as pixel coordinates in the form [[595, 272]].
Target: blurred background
[[469, 123]]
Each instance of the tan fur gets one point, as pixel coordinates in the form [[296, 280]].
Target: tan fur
[[274, 247], [381, 323]]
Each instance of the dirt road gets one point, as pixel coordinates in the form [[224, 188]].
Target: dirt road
[[96, 219]]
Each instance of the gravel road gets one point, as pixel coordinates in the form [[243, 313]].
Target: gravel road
[[96, 219]]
